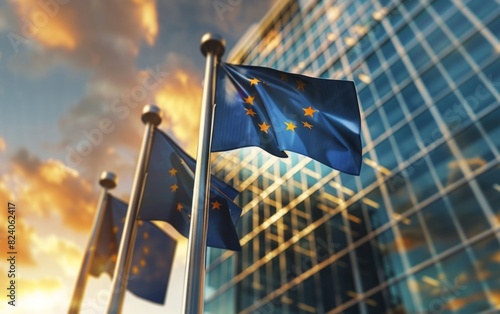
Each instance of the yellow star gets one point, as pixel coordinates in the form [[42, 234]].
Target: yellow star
[[174, 187], [179, 206], [250, 112], [146, 250], [254, 81], [145, 235], [284, 77], [140, 223], [249, 100], [216, 205], [113, 258], [301, 85], [307, 125], [309, 111], [264, 127], [290, 126], [115, 229], [172, 172], [135, 270], [143, 263]]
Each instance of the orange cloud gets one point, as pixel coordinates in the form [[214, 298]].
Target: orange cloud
[[179, 97], [148, 18], [50, 189], [42, 295], [67, 253], [60, 25], [3, 145], [49, 26], [23, 231]]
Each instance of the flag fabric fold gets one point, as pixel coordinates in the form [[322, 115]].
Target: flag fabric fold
[[278, 111], [152, 257], [168, 194]]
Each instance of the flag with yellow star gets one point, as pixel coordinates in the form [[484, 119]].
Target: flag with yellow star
[[278, 111], [152, 257], [168, 193]]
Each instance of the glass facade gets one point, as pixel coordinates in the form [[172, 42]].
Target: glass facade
[[419, 230]]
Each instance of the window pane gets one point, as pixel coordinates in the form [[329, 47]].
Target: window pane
[[445, 165], [483, 9], [405, 35], [388, 49], [375, 124], [434, 81], [393, 111], [399, 72], [477, 96], [492, 127], [438, 41], [366, 98], [418, 56], [382, 85], [463, 280], [412, 97], [424, 20], [427, 127], [479, 48], [421, 180], [473, 147], [459, 24], [414, 241], [456, 66], [453, 112], [386, 155], [468, 212], [490, 186], [442, 230], [406, 141]]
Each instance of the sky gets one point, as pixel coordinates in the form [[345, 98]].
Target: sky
[[74, 77]]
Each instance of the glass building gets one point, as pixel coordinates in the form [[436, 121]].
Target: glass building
[[418, 231]]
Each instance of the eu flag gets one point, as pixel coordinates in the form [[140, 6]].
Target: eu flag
[[152, 256], [168, 193], [277, 111]]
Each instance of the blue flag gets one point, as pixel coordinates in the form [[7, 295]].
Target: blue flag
[[277, 111], [152, 256], [168, 194]]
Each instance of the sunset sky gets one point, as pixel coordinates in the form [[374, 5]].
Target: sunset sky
[[70, 70]]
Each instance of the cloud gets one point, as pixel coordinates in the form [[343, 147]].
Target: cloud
[[50, 189], [67, 253], [23, 231], [3, 144], [41, 295], [103, 35], [45, 284], [179, 97], [105, 39]]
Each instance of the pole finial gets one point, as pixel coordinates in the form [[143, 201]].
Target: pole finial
[[151, 114], [213, 43], [107, 180]]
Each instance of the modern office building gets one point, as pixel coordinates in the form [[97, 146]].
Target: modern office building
[[418, 231]]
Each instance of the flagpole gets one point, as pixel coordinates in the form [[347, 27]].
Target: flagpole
[[150, 117], [212, 47], [107, 182]]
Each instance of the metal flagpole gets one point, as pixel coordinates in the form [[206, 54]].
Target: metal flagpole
[[150, 117], [107, 181], [212, 47]]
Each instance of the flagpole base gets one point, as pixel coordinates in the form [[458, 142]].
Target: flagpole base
[[151, 114], [107, 180], [213, 43]]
